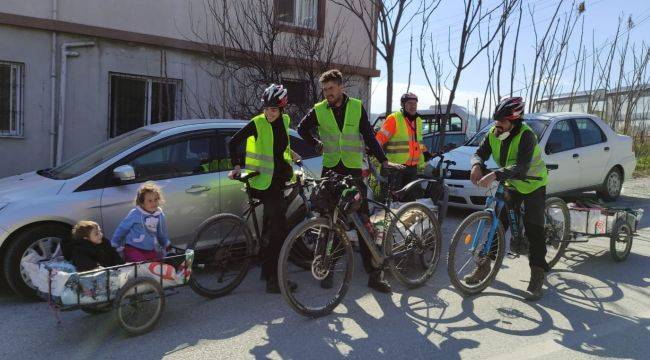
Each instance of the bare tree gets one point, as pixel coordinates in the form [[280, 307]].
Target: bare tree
[[382, 21], [247, 50], [475, 15]]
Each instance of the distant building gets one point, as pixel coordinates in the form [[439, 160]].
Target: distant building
[[611, 106]]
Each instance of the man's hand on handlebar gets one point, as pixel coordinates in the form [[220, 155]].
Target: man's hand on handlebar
[[487, 180], [476, 174], [389, 165], [234, 173]]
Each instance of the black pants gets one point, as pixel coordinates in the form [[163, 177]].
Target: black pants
[[366, 255], [274, 224], [397, 179], [534, 204]]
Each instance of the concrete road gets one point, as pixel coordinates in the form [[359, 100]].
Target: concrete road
[[594, 307]]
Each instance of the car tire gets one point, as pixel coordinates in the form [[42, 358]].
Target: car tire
[[50, 234], [611, 188]]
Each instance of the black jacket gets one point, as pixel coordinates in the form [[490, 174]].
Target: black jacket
[[85, 255], [309, 124], [524, 154]]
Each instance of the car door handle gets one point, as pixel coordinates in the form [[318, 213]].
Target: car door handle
[[195, 189], [575, 156], [606, 148]]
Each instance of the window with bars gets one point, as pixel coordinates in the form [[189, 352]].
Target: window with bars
[[138, 101], [11, 95], [298, 13]]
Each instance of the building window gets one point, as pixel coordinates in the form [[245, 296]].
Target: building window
[[300, 15], [11, 99], [138, 101]]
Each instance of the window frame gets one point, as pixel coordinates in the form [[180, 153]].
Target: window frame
[[603, 136], [286, 27], [574, 131], [16, 90], [105, 179], [178, 109]]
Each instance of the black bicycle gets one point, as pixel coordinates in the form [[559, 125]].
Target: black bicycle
[[410, 247], [225, 248]]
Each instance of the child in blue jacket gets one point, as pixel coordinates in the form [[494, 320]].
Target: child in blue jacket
[[142, 235]]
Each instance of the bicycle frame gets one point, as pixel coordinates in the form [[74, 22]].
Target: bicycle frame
[[378, 257], [499, 201]]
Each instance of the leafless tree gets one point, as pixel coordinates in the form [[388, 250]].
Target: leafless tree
[[475, 16], [382, 21], [247, 49]]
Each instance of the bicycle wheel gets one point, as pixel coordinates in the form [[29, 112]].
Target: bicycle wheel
[[620, 242], [223, 250], [462, 258], [302, 255], [139, 305], [313, 298], [412, 244], [556, 229]]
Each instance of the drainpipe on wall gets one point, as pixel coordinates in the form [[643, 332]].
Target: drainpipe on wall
[[55, 15], [65, 53]]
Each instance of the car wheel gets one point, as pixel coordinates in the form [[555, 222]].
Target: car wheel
[[611, 188], [44, 241]]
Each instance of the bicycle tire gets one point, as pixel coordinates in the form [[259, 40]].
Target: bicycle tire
[[241, 252], [131, 298], [428, 265], [457, 238], [283, 270], [620, 228], [557, 255]]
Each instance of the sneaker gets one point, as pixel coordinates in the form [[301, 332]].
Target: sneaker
[[534, 290], [376, 282], [481, 271], [519, 247]]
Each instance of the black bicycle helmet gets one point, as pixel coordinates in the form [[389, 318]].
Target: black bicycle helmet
[[510, 108], [406, 97], [275, 96]]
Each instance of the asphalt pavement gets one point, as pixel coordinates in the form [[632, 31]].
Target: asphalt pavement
[[593, 308]]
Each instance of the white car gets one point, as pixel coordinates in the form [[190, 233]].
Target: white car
[[588, 153]]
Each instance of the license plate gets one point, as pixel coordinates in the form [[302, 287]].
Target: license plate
[[454, 191]]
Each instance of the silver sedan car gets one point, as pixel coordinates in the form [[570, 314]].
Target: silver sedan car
[[188, 158]]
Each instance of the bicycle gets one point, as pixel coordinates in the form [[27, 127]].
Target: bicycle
[[225, 248], [481, 229], [435, 189], [410, 248]]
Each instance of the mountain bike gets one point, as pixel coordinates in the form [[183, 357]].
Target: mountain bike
[[410, 248], [225, 248], [480, 238]]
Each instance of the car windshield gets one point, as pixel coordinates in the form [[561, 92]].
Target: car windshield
[[96, 155], [538, 127]]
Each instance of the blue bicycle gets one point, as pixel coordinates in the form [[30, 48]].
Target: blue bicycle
[[478, 245]]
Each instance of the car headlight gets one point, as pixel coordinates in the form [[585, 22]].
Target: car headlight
[[3, 205]]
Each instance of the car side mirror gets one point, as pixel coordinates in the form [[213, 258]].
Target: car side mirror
[[124, 173], [553, 147]]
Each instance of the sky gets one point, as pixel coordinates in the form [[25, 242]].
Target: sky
[[600, 18]]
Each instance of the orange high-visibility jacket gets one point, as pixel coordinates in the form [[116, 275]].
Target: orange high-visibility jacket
[[388, 130]]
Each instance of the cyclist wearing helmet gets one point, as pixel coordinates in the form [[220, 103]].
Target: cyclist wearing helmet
[[401, 134], [514, 147], [267, 152], [342, 124]]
